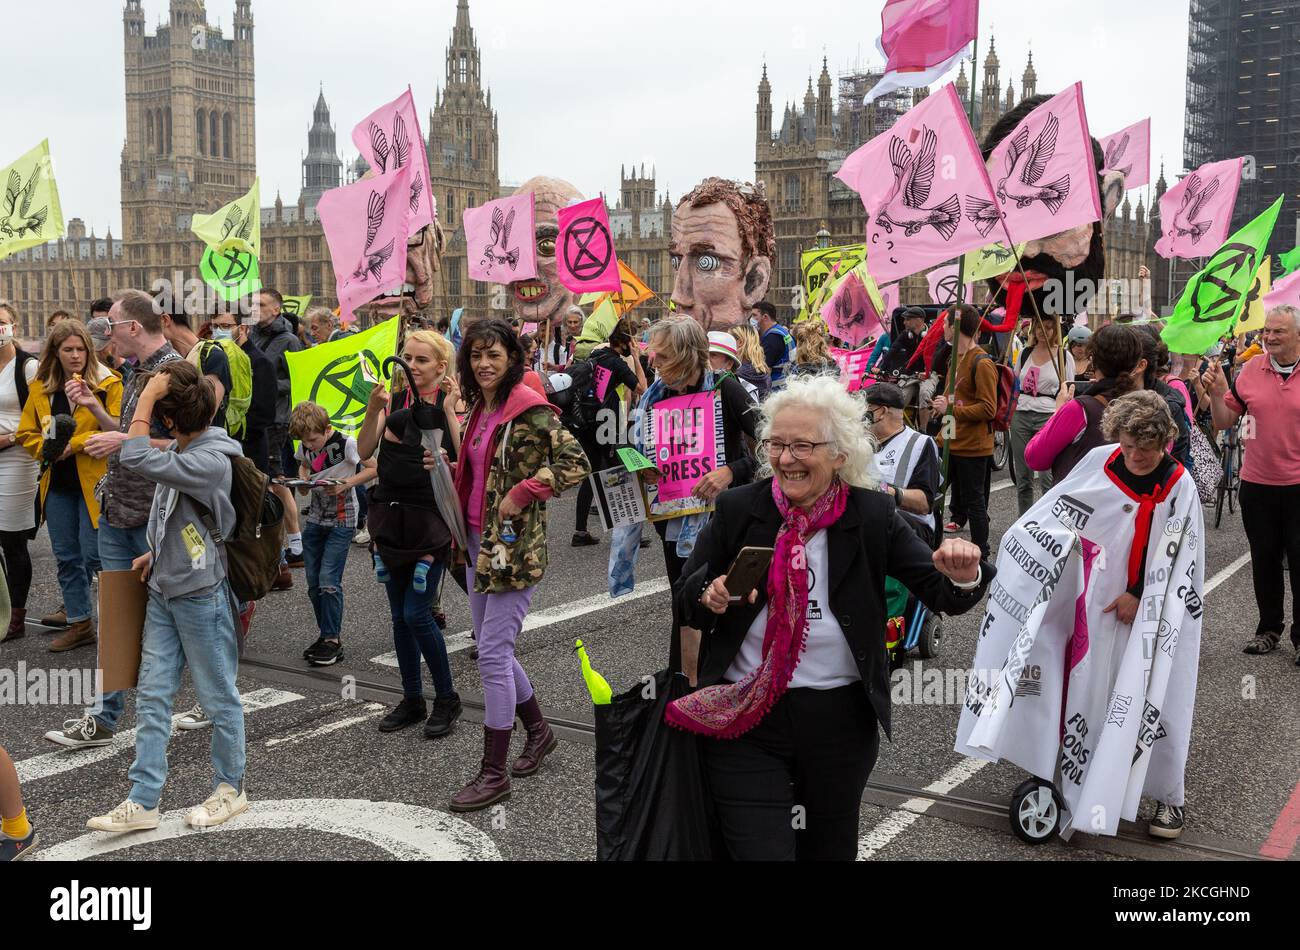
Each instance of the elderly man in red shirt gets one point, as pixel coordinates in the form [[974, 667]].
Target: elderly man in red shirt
[[1267, 393]]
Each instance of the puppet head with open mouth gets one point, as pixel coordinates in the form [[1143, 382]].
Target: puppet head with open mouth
[[543, 298]]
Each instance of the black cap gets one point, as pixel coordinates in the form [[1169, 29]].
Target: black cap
[[885, 394]]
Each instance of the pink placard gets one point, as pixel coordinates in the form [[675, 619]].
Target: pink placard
[[685, 443], [853, 363], [603, 378]]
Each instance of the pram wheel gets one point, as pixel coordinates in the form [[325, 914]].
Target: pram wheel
[[1035, 811], [931, 639]]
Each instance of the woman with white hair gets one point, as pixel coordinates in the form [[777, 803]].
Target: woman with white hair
[[793, 674]]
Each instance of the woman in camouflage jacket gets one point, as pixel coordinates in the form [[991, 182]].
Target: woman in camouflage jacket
[[515, 456]]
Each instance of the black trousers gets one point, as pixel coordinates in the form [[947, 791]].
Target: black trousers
[[791, 788], [674, 563], [598, 456], [256, 450], [18, 565], [971, 479], [1271, 516]]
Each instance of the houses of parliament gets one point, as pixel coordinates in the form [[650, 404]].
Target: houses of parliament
[[190, 148]]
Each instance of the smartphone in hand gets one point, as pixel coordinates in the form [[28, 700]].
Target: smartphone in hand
[[747, 572]]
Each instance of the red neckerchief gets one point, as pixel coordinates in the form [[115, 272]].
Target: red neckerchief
[[1145, 514]]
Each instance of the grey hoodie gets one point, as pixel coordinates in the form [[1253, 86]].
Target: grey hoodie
[[275, 339], [200, 473]]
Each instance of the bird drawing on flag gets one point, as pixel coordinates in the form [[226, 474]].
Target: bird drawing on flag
[[1115, 153], [18, 218], [1195, 197], [1027, 164], [401, 142], [501, 226], [237, 226], [982, 213], [373, 260], [379, 145], [417, 189], [913, 176]]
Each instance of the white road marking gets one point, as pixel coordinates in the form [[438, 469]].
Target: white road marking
[[1002, 486], [879, 837], [1226, 573], [553, 615], [56, 763], [373, 712], [407, 832]]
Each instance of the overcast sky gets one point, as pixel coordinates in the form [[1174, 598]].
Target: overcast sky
[[581, 86]]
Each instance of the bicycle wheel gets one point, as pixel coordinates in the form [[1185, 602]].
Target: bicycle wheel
[[1000, 448], [1218, 502]]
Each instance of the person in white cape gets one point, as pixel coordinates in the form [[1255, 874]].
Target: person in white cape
[[1086, 667]]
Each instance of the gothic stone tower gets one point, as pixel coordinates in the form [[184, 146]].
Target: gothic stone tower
[[322, 169], [463, 162], [190, 118]]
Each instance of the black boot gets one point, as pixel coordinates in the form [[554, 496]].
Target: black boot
[[407, 713], [446, 710]]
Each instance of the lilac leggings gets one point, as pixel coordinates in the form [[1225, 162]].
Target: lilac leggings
[[498, 618]]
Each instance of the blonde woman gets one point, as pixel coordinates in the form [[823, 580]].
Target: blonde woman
[[71, 381], [812, 350], [1040, 383], [753, 364]]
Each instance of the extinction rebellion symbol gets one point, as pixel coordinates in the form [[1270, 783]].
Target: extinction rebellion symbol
[[232, 268], [587, 248], [342, 388]]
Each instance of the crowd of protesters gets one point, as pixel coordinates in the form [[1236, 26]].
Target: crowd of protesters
[[125, 435]]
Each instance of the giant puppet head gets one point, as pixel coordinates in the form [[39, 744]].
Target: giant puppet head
[[723, 249], [543, 299], [423, 259], [1076, 258]]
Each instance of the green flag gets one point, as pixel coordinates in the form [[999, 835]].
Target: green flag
[[237, 226], [992, 261], [1213, 299], [597, 328], [30, 213], [340, 376], [1290, 261], [233, 274], [296, 306]]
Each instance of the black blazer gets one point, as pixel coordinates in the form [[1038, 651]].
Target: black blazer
[[871, 540]]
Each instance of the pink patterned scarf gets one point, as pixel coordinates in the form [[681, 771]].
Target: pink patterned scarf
[[729, 710]]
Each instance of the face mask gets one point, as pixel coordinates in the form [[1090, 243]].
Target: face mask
[[753, 323], [219, 333]]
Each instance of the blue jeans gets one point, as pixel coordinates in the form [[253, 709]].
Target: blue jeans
[[325, 554], [416, 633], [118, 548], [76, 549], [199, 631]]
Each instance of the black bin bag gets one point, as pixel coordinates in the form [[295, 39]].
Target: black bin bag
[[652, 797]]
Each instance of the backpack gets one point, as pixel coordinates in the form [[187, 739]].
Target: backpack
[[1008, 392], [240, 396], [251, 555], [584, 412], [21, 359]]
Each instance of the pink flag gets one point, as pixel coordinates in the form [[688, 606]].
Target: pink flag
[[1045, 173], [943, 286], [922, 39], [501, 242], [367, 225], [1286, 292], [390, 138], [852, 317], [1129, 151], [584, 251], [1196, 213], [914, 210]]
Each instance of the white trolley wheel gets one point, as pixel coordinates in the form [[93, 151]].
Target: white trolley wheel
[[1035, 811]]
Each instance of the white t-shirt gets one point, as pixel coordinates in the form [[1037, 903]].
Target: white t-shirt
[[826, 662], [1039, 385]]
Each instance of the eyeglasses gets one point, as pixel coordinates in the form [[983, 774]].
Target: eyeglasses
[[119, 323], [801, 451]]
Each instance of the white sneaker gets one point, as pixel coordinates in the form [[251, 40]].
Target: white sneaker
[[127, 816], [362, 537], [196, 718], [224, 804]]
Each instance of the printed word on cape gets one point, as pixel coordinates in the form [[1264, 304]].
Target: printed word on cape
[[1059, 686]]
